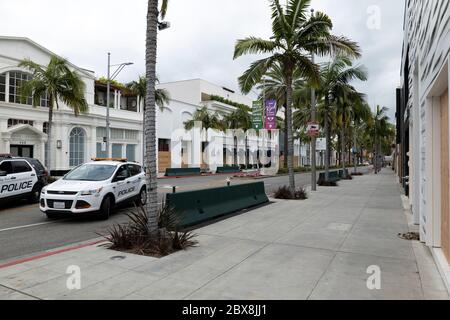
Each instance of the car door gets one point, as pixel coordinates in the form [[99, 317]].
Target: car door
[[121, 183], [135, 178], [5, 180], [23, 176]]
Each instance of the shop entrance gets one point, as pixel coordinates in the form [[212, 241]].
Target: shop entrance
[[21, 151]]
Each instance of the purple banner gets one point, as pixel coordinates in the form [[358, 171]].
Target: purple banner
[[271, 115]]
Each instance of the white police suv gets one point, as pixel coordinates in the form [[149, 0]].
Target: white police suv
[[95, 187], [21, 178]]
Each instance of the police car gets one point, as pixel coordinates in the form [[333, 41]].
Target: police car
[[95, 187], [21, 178]]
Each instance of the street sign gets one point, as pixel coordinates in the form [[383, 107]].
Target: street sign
[[313, 129], [271, 114], [257, 115], [321, 144]]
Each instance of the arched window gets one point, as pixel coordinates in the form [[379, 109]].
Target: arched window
[[77, 147]]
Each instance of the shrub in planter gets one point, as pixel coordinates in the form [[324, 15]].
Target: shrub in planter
[[286, 194], [134, 237]]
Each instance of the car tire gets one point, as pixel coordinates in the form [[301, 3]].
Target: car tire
[[35, 194], [141, 199], [106, 207]]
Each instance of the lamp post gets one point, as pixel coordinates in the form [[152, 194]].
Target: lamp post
[[108, 90]]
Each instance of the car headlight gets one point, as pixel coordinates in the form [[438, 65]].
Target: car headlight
[[44, 191], [91, 192]]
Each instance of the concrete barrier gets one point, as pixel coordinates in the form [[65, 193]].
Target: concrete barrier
[[228, 169], [195, 207], [178, 172]]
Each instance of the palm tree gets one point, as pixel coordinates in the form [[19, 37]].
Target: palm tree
[[208, 119], [273, 87], [346, 102], [295, 36], [59, 83], [336, 76], [361, 120], [240, 118], [153, 14], [139, 87], [380, 131]]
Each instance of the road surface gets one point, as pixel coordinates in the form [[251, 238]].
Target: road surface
[[24, 230]]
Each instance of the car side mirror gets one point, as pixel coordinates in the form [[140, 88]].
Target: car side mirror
[[3, 173], [119, 178]]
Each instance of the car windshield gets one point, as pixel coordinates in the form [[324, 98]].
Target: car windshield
[[91, 172]]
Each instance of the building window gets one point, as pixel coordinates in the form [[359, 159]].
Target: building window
[[164, 145], [15, 122], [45, 127], [117, 151], [100, 153], [3, 87], [77, 147], [44, 100], [16, 79], [131, 152]]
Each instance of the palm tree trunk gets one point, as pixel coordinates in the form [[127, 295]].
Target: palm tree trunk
[[355, 154], [343, 145], [150, 117], [285, 143], [290, 154], [327, 149], [48, 154]]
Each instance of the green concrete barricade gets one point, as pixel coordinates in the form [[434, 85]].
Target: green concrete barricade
[[195, 207], [341, 173], [333, 176], [228, 169], [177, 172]]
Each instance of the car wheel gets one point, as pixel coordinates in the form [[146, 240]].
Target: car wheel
[[105, 208], [35, 194], [141, 199]]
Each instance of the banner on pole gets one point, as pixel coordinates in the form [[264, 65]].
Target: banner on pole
[[257, 115], [271, 114]]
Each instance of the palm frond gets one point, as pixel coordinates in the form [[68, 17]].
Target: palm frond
[[253, 45]]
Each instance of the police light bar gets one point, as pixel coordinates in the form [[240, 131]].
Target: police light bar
[[110, 159], [5, 155]]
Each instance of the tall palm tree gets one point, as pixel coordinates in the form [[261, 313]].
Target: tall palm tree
[[274, 87], [59, 83], [379, 131], [295, 36], [153, 14], [336, 76], [346, 103]]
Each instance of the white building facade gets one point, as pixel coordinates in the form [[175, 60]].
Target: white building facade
[[78, 139], [425, 79]]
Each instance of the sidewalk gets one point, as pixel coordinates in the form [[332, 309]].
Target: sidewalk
[[315, 249]]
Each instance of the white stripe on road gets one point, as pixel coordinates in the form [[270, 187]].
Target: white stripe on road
[[27, 226]]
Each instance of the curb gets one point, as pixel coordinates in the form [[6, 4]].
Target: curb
[[50, 253]]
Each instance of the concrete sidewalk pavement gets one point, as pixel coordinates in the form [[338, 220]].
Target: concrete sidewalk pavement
[[321, 248]]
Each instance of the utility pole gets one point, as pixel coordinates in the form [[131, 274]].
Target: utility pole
[[313, 138]]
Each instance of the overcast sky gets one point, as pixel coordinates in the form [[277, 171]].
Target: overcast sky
[[201, 40]]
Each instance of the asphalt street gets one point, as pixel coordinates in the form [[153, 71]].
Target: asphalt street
[[24, 230]]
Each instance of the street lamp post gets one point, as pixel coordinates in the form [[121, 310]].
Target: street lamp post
[[108, 91]]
